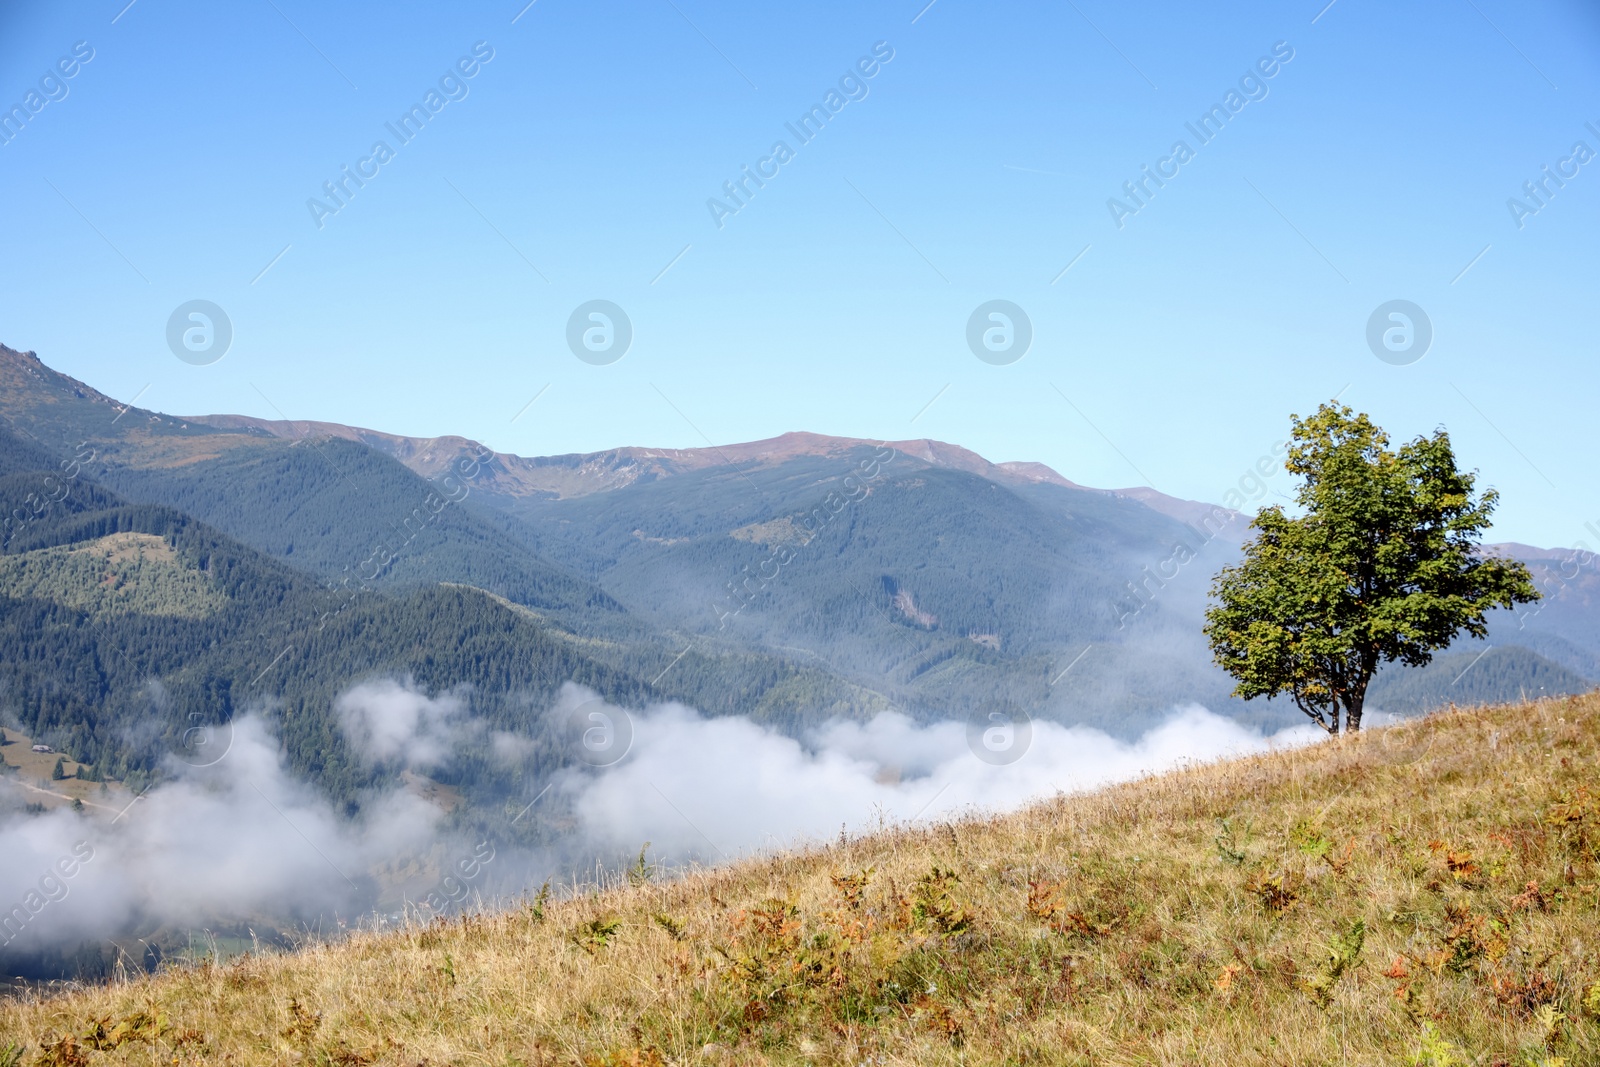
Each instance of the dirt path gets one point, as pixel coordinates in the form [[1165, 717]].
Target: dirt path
[[68, 800]]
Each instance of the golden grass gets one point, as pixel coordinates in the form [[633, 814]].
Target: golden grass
[[1425, 894]]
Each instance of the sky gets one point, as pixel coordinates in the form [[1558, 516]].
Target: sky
[[574, 153]]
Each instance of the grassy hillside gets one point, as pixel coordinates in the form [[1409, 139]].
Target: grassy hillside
[[1426, 894]]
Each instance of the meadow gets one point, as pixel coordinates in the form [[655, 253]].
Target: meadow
[[1425, 893]]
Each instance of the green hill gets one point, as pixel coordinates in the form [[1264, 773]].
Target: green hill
[[119, 574]]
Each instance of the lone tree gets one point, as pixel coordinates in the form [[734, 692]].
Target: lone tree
[[1383, 565]]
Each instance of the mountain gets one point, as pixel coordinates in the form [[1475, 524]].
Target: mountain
[[1254, 911], [844, 575], [579, 474], [128, 627], [190, 628], [334, 508], [324, 498], [674, 579]]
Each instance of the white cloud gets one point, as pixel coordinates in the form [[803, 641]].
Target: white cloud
[[388, 720], [235, 840], [716, 787], [243, 838]]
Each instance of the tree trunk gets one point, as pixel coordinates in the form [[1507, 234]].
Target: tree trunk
[[1352, 716], [1356, 698]]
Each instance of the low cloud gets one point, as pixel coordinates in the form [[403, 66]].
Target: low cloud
[[244, 840], [714, 788], [387, 721], [241, 839]]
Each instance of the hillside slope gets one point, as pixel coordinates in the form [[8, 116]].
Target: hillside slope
[[941, 587], [1426, 894]]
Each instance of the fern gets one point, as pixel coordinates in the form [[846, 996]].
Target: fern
[[535, 910], [1344, 953], [935, 904], [1227, 850], [1309, 840], [674, 927], [642, 872], [1435, 1051], [596, 933]]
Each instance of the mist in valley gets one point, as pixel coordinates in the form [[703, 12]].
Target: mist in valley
[[243, 847]]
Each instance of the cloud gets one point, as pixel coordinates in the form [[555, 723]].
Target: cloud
[[240, 839], [509, 749], [388, 720], [243, 839], [715, 788]]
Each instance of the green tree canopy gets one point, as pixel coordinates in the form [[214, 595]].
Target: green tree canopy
[[1384, 564]]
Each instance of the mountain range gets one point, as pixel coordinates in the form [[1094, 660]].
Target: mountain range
[[274, 564]]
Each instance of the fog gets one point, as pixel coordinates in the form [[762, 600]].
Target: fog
[[242, 839], [709, 789]]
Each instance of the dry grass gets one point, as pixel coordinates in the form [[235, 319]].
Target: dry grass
[[1425, 894]]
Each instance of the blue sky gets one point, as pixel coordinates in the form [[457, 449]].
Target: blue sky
[[577, 163]]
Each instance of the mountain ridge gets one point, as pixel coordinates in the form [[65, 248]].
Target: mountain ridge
[[560, 476], [609, 468], [962, 582], [566, 475]]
